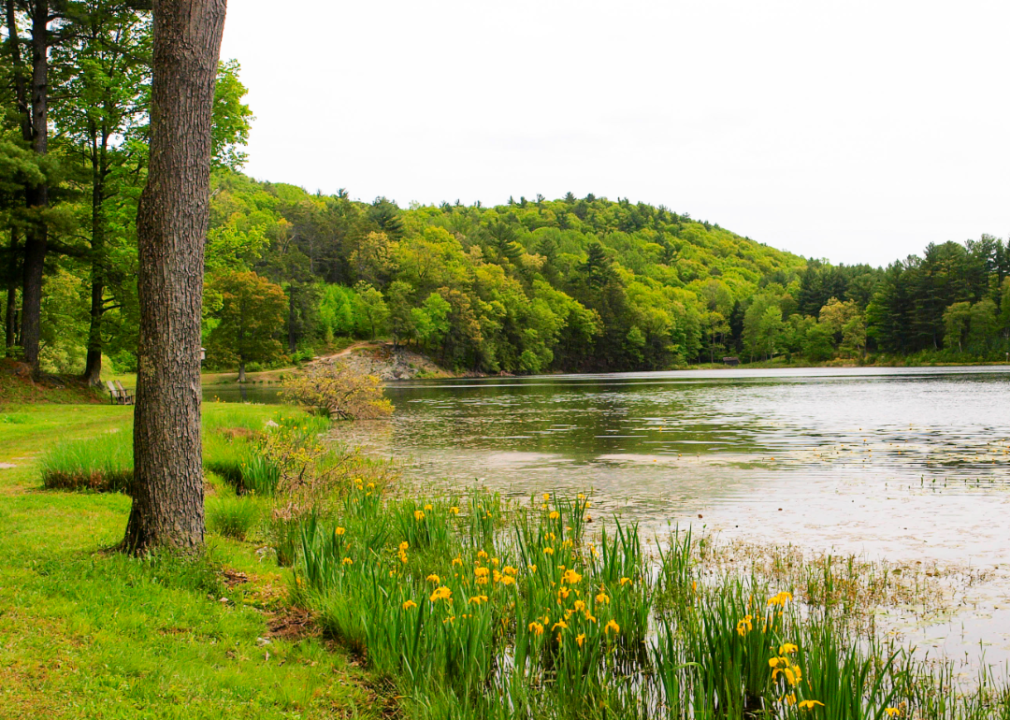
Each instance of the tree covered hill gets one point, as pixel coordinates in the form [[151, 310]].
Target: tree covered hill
[[572, 284]]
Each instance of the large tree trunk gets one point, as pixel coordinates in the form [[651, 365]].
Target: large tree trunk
[[171, 229]]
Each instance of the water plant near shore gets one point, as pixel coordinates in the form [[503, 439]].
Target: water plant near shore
[[484, 608]]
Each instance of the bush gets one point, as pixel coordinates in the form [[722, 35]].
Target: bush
[[337, 392], [103, 464]]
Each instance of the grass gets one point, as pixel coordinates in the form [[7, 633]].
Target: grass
[[234, 437], [460, 607], [88, 633], [103, 463]]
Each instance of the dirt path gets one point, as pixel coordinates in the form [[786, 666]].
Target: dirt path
[[348, 350]]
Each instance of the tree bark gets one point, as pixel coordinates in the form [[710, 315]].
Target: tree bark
[[172, 224]]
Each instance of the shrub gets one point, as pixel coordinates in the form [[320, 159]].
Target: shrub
[[337, 392]]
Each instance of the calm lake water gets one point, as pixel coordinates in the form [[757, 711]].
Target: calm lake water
[[904, 463]]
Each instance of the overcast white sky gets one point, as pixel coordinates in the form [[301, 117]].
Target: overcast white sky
[[856, 131]]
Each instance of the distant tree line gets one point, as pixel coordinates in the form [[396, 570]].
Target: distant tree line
[[533, 285]]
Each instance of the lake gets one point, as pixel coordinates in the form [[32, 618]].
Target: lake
[[899, 463]]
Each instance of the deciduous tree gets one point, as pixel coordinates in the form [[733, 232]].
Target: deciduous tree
[[171, 228]]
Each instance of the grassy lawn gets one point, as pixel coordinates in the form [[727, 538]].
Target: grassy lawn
[[89, 633]]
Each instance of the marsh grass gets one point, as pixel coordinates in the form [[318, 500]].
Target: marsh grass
[[102, 464], [233, 516], [482, 608]]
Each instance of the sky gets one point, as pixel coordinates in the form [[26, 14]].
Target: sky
[[856, 131]]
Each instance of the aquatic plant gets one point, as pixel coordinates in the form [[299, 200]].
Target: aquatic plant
[[483, 608]]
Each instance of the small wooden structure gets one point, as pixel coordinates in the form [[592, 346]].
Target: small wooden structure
[[118, 395], [731, 361]]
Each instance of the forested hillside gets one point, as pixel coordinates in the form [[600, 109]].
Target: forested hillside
[[574, 284], [529, 286]]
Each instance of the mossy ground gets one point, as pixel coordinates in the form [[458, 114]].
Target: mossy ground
[[86, 632]]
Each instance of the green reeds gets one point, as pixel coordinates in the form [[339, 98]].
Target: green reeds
[[103, 464], [232, 516], [483, 609]]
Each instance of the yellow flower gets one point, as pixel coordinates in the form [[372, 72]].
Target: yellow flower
[[347, 561], [893, 711], [781, 599], [536, 628], [548, 551], [404, 545], [625, 581], [567, 544], [554, 515], [339, 531], [441, 593], [590, 618], [478, 599], [581, 638], [481, 572], [612, 626], [509, 570], [792, 673], [403, 556], [409, 604], [579, 606], [481, 554], [494, 561], [547, 496], [563, 594], [581, 496], [429, 508], [745, 626], [434, 578], [507, 580], [560, 624], [454, 510], [778, 662], [418, 515], [457, 561], [811, 704], [602, 598], [533, 568], [571, 577], [787, 649]]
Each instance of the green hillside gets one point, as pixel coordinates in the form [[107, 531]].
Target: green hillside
[[571, 284]]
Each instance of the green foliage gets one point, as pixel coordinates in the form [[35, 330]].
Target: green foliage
[[337, 393], [248, 319], [232, 118]]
